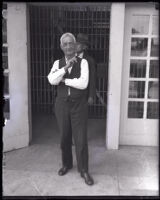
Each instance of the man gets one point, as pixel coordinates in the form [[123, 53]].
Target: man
[[82, 46], [71, 75]]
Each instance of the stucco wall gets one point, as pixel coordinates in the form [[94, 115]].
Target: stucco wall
[[16, 130]]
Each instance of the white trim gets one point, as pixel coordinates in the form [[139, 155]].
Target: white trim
[[16, 130], [6, 96], [5, 44], [115, 74], [6, 71]]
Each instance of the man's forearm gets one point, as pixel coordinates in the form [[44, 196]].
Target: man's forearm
[[79, 83], [56, 76]]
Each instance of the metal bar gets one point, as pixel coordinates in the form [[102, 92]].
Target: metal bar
[[49, 64], [101, 30], [46, 57], [42, 53], [103, 94], [51, 59], [107, 5], [36, 54], [51, 50], [39, 61], [83, 20], [47, 68], [99, 100], [44, 36], [79, 20], [32, 69]]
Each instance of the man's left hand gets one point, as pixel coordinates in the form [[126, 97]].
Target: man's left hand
[[63, 80], [90, 100]]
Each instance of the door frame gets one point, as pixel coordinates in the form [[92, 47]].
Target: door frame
[[114, 73], [29, 73]]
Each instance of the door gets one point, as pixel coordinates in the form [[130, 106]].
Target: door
[[47, 24], [139, 114]]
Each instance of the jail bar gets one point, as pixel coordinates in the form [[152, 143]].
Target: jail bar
[[47, 24]]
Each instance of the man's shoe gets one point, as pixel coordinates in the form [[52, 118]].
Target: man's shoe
[[88, 179], [63, 170]]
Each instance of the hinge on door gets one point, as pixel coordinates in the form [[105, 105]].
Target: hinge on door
[[157, 6]]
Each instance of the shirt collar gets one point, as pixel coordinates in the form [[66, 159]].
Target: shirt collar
[[66, 60], [81, 55]]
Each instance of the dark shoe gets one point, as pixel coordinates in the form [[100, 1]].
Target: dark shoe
[[88, 179], [63, 170]]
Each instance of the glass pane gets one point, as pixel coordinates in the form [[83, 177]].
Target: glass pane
[[136, 89], [153, 90], [138, 68], [154, 69], [4, 5], [6, 85], [5, 62], [4, 13], [6, 109], [139, 46], [4, 30], [135, 109], [4, 50], [140, 24], [152, 110], [154, 47], [4, 25], [155, 25], [4, 38]]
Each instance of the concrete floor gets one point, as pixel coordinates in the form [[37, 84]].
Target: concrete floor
[[32, 171]]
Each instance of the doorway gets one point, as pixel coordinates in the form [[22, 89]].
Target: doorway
[[47, 23]]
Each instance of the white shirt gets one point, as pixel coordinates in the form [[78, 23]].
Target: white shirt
[[81, 55], [55, 76]]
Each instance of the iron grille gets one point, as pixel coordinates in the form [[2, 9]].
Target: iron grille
[[47, 24]]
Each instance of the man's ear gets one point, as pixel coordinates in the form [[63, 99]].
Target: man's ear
[[85, 46], [61, 47]]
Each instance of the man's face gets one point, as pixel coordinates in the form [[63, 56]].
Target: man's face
[[80, 47], [68, 46]]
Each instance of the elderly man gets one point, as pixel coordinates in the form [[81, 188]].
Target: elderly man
[[71, 75]]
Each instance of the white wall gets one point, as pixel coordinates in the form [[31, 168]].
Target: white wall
[[115, 74], [16, 131]]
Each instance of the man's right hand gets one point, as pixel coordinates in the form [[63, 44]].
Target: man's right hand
[[70, 63]]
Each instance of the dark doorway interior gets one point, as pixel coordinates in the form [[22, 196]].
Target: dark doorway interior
[[47, 24]]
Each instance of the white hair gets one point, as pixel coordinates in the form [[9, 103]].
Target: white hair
[[66, 35]]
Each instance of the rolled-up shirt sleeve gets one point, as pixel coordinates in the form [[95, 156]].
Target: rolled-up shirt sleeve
[[55, 76], [81, 82]]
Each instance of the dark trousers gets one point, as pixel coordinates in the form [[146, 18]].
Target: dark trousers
[[72, 115]]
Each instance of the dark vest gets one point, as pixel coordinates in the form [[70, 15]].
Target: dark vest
[[62, 89]]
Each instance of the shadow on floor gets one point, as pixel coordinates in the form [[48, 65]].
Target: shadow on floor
[[45, 130]]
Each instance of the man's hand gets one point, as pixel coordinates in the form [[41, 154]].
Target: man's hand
[[70, 63], [90, 101], [63, 80]]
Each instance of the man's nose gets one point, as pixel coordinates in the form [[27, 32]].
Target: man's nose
[[68, 45]]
